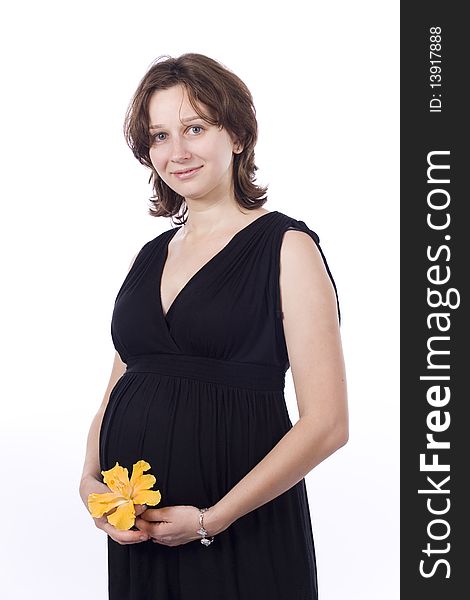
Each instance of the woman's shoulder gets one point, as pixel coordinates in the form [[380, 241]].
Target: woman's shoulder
[[295, 247]]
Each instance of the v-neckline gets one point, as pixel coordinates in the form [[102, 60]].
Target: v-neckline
[[201, 269]]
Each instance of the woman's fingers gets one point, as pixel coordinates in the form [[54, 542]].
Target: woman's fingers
[[139, 508], [128, 536]]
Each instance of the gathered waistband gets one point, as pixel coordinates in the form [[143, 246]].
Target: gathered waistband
[[212, 370]]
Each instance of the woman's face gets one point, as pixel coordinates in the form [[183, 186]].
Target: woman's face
[[175, 146]]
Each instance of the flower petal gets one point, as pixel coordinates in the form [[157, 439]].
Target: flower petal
[[137, 469], [98, 504], [117, 479], [144, 482], [149, 497], [124, 516]]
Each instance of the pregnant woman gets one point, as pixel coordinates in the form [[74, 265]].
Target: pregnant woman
[[210, 316]]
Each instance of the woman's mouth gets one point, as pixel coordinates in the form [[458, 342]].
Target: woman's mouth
[[187, 174]]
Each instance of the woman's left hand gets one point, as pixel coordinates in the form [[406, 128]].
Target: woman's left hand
[[174, 525]]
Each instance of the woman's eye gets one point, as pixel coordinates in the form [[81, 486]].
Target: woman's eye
[[156, 136]]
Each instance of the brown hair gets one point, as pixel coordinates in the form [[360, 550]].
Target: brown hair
[[231, 105]]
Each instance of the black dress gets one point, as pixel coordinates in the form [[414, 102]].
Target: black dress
[[202, 400]]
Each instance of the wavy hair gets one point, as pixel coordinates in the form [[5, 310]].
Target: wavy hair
[[231, 105]]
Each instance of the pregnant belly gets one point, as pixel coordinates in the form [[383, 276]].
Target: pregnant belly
[[199, 438]]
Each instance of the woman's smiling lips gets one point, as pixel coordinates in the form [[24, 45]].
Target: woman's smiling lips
[[188, 173]]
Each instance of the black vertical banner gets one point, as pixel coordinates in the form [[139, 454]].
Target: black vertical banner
[[435, 270]]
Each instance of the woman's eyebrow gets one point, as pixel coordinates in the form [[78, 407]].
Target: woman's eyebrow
[[186, 120]]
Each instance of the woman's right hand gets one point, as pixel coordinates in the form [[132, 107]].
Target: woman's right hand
[[91, 485]]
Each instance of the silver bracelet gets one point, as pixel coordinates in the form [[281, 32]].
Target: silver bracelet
[[206, 541]]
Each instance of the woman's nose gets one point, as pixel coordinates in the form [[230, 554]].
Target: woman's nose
[[179, 149]]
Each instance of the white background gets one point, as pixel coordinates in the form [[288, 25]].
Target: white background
[[324, 77]]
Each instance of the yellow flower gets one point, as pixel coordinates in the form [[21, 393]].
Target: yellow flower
[[124, 494]]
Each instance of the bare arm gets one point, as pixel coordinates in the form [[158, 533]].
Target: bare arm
[[315, 354]]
